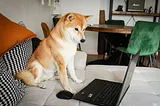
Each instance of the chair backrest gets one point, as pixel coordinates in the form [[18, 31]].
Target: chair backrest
[[55, 21], [46, 30], [145, 37], [114, 22]]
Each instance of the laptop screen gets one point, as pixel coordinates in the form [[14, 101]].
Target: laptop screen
[[128, 76]]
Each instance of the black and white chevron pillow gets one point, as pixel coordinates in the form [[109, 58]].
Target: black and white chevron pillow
[[12, 90], [17, 58]]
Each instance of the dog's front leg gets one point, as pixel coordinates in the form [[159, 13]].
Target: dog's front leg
[[71, 71], [62, 71], [64, 78]]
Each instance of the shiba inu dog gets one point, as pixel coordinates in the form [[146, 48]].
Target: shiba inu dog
[[56, 53]]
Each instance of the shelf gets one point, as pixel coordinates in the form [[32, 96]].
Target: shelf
[[135, 13]]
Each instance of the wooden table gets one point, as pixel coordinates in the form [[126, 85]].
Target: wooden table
[[110, 28]]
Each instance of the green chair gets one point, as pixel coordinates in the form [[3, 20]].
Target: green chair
[[145, 37]]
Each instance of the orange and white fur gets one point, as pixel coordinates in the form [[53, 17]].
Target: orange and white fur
[[56, 53]]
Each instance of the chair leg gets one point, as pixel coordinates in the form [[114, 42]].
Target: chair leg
[[110, 48], [154, 60], [106, 51], [79, 45], [131, 56], [141, 61], [150, 59], [148, 63], [120, 57], [105, 55]]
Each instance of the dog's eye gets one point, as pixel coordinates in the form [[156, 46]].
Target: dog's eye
[[76, 29], [84, 29]]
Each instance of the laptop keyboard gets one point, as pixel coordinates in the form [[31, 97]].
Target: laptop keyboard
[[107, 95]]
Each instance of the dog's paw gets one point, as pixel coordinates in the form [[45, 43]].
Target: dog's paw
[[37, 81], [73, 91], [78, 81], [70, 90], [42, 85], [52, 79], [57, 77]]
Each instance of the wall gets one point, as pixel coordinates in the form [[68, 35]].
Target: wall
[[31, 12]]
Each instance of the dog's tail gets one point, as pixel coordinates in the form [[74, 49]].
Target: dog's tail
[[28, 78]]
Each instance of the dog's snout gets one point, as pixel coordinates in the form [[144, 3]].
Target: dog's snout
[[82, 40]]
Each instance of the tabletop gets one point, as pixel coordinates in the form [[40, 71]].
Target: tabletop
[[110, 28]]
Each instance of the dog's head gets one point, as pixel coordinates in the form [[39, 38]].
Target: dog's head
[[74, 25]]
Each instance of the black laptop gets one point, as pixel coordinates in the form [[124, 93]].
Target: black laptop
[[107, 93]]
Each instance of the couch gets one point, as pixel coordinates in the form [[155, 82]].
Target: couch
[[144, 89]]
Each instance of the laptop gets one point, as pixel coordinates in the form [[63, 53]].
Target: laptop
[[107, 93]]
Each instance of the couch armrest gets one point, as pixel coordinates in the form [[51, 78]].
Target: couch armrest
[[80, 60]]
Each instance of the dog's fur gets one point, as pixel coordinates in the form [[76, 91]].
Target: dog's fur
[[56, 53]]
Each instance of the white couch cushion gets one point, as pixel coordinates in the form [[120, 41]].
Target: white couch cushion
[[80, 60], [140, 99], [144, 89]]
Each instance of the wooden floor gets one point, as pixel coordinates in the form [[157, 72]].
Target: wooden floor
[[92, 57]]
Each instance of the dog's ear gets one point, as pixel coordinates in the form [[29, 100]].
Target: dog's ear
[[88, 17], [70, 17]]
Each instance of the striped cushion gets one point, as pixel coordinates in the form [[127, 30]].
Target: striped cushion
[[17, 58], [11, 90]]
